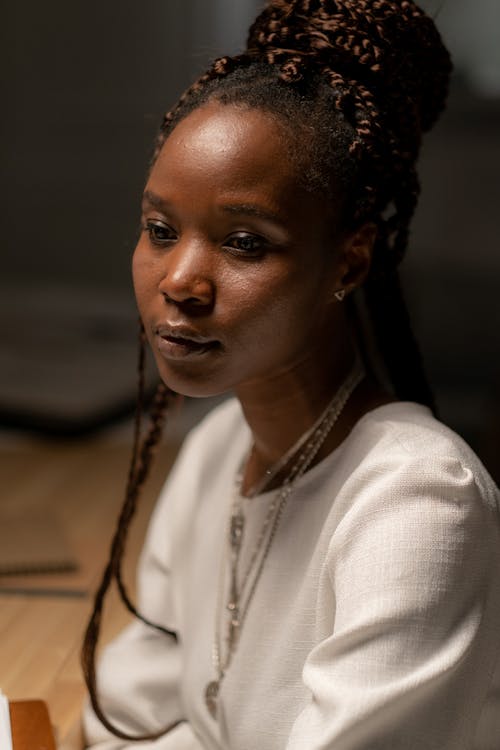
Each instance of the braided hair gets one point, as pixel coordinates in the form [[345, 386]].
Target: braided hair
[[355, 84]]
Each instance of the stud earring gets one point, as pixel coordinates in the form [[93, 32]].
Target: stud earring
[[340, 295]]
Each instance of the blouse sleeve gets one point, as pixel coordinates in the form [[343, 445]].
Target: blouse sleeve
[[413, 569], [138, 673]]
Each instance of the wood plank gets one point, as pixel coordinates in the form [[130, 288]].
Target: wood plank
[[41, 633], [30, 725], [86, 504]]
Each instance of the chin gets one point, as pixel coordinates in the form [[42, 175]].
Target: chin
[[191, 386]]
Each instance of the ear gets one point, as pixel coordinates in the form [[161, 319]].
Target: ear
[[355, 256]]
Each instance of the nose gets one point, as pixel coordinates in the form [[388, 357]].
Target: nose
[[188, 277]]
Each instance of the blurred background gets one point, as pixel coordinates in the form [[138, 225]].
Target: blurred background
[[84, 89]]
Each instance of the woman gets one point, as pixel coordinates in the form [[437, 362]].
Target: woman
[[321, 569]]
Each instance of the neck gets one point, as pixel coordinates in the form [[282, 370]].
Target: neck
[[280, 409]]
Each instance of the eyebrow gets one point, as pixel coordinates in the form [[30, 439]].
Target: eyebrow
[[245, 209], [250, 209], [153, 199]]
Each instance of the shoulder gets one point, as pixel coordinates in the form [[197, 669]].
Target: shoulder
[[413, 428], [409, 478], [211, 450], [202, 463], [405, 441], [212, 439]]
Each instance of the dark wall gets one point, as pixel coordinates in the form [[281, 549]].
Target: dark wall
[[452, 270], [85, 87]]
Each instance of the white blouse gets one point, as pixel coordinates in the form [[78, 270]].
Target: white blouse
[[375, 624]]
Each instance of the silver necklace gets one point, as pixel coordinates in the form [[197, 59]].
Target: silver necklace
[[241, 594]]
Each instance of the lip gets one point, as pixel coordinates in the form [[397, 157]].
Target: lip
[[182, 342]]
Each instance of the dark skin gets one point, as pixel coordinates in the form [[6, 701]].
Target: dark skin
[[235, 274]]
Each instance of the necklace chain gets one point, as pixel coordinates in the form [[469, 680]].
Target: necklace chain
[[240, 596]]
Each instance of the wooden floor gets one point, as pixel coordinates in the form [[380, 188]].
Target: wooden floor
[[77, 488]]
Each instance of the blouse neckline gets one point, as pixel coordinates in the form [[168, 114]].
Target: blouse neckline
[[326, 463]]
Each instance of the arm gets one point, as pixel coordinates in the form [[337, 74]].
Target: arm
[[139, 672], [413, 568], [138, 677]]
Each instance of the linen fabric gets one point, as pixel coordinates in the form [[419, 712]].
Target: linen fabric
[[375, 624]]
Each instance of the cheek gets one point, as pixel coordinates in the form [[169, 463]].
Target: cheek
[[275, 312], [298, 313], [143, 275]]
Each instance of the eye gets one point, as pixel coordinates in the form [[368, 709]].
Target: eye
[[159, 232], [246, 244]]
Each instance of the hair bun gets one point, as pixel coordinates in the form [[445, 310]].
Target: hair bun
[[390, 46]]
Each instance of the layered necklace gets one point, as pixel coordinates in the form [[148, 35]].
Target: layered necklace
[[242, 584]]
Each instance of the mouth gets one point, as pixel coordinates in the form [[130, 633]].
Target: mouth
[[182, 342]]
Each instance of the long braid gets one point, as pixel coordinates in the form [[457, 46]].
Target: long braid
[[140, 463], [395, 339], [139, 403], [145, 457]]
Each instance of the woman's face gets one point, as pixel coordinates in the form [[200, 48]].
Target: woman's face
[[236, 265]]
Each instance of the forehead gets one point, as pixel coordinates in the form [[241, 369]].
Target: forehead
[[238, 147]]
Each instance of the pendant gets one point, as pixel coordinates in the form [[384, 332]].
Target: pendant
[[233, 629], [236, 530], [211, 695]]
